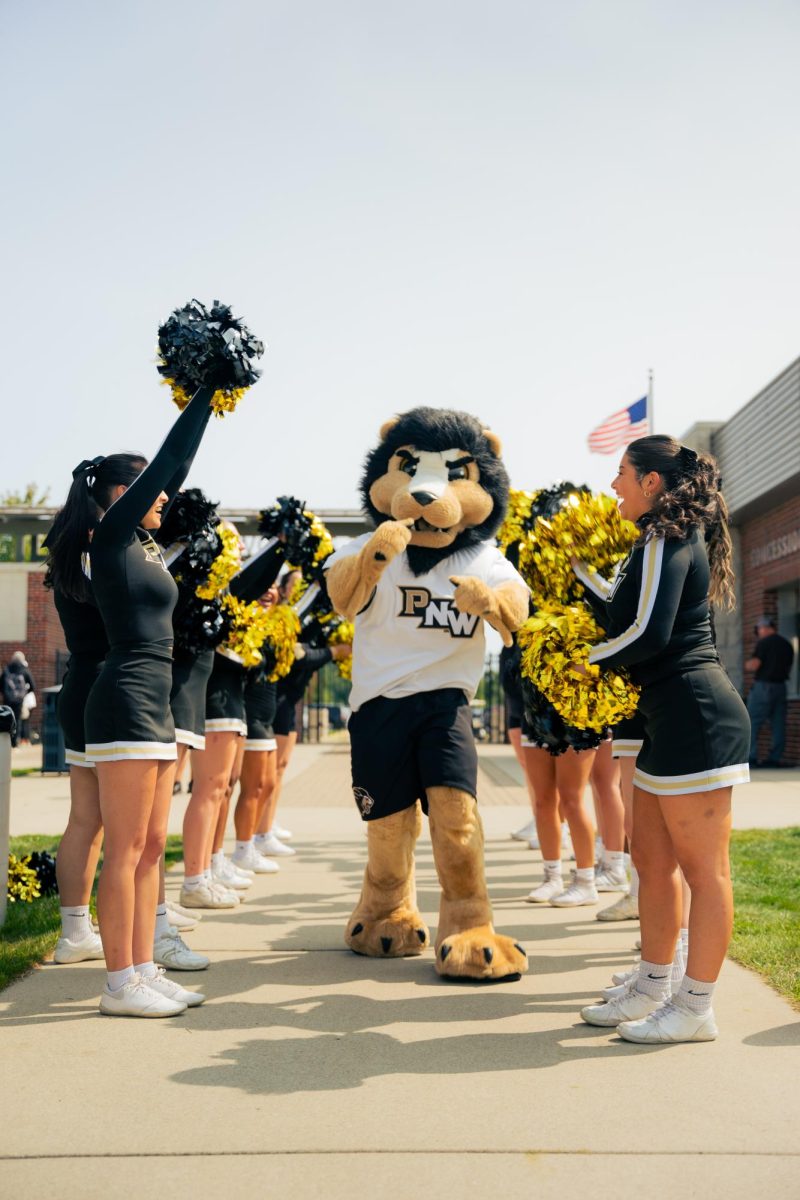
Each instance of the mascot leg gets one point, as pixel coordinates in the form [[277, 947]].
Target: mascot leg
[[466, 943], [385, 923]]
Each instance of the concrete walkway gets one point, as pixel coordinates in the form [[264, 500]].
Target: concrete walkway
[[316, 1073]]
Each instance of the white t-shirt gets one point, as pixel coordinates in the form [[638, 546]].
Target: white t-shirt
[[411, 637]]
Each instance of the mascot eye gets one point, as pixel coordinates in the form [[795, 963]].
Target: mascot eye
[[457, 473], [409, 466]]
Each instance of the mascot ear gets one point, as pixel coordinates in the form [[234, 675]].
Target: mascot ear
[[387, 427], [495, 445]]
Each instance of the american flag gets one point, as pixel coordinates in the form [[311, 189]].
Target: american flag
[[620, 428]]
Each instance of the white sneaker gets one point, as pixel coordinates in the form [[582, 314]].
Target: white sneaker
[[223, 871], [552, 885], [251, 860], [204, 896], [270, 844], [173, 906], [609, 880], [624, 909], [526, 833], [173, 991], [136, 999], [179, 921], [629, 1006], [579, 892], [171, 951], [672, 1022], [88, 948], [284, 834], [226, 892], [567, 851], [625, 976]]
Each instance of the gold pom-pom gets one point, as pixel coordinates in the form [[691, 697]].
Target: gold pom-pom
[[517, 522], [23, 882], [223, 401], [343, 634], [553, 641], [320, 531], [282, 631], [224, 566], [588, 527], [248, 629]]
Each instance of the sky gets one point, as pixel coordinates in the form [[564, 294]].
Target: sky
[[512, 207]]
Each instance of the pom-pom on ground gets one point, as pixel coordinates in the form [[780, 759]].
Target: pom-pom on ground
[[200, 347]]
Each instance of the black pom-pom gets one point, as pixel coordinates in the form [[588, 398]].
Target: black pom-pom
[[201, 346], [548, 728], [288, 520], [200, 625], [45, 867], [551, 500], [190, 513]]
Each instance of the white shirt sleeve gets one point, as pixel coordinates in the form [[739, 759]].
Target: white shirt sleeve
[[500, 570], [354, 546]]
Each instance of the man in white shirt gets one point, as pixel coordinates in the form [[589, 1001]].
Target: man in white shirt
[[419, 590]]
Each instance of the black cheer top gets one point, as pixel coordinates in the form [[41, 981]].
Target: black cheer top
[[655, 611], [84, 631], [134, 591]]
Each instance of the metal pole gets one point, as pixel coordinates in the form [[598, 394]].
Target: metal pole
[[6, 725], [651, 412]]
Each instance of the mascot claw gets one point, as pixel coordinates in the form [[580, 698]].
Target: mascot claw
[[390, 937], [481, 954]]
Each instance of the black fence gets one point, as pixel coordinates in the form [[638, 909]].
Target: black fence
[[325, 707]]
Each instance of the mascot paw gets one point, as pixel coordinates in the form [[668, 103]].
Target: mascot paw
[[388, 540], [472, 595], [398, 936], [481, 954]]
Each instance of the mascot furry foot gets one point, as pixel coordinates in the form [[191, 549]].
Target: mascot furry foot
[[419, 590], [385, 922]]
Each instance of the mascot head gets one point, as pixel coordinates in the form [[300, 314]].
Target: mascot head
[[442, 469]]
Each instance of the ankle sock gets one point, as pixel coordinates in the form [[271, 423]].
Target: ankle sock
[[695, 995], [552, 867], [243, 847], [75, 922], [147, 970], [193, 881], [614, 860], [217, 859], [585, 874], [654, 979], [118, 979], [162, 921], [634, 889]]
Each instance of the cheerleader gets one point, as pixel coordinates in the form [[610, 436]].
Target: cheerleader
[[130, 734], [696, 733]]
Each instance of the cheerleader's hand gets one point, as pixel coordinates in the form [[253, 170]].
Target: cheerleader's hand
[[579, 668]]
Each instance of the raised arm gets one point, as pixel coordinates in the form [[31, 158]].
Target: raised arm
[[664, 569], [260, 571], [166, 471]]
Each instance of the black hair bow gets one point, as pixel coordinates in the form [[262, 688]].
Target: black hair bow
[[88, 466]]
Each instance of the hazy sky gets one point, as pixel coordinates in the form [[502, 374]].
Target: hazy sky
[[509, 206]]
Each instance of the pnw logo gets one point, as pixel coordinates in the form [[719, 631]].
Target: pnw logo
[[152, 551], [437, 613]]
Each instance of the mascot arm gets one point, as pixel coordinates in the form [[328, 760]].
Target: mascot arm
[[505, 607], [352, 580]]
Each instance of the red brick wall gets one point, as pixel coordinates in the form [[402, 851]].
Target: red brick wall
[[45, 638], [760, 582]]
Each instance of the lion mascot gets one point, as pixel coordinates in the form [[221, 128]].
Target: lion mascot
[[418, 590]]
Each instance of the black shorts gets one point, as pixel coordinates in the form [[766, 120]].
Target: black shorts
[[225, 697], [285, 721], [187, 699], [79, 680], [260, 702], [514, 709], [627, 736], [399, 748], [696, 734], [127, 711]]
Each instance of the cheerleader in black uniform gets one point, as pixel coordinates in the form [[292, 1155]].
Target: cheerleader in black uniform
[[696, 732], [213, 767], [130, 735]]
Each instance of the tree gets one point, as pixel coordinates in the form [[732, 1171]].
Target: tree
[[31, 497]]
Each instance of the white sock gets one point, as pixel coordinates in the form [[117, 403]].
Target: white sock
[[634, 882], [162, 921], [585, 874], [695, 995], [118, 979], [654, 979], [217, 859], [552, 867], [261, 837], [75, 923], [614, 860], [599, 849], [678, 965], [243, 847], [207, 875], [685, 942], [193, 881], [146, 970], [626, 858]]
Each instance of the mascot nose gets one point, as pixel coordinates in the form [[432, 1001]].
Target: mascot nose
[[424, 498]]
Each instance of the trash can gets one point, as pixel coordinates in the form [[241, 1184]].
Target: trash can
[[52, 738]]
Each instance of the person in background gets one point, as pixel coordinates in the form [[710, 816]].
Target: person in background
[[766, 701], [17, 682]]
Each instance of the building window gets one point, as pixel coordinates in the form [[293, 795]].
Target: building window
[[789, 627]]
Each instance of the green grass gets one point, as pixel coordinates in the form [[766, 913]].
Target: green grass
[[765, 864], [31, 929]]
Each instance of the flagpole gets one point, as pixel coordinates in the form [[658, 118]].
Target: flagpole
[[650, 409]]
